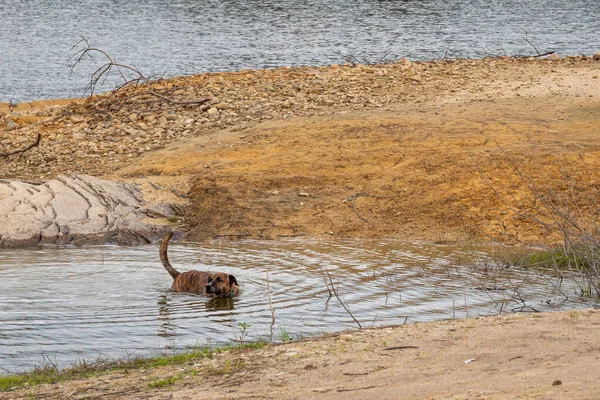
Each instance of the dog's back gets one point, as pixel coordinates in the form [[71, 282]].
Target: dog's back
[[198, 282]]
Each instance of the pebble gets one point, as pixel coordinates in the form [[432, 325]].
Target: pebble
[[11, 125]]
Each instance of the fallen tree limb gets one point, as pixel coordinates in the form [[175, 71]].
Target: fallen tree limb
[[24, 149]]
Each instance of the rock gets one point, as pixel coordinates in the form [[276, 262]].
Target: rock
[[78, 209], [171, 117], [11, 125], [213, 111], [403, 62], [163, 210], [596, 56], [76, 119], [222, 106]]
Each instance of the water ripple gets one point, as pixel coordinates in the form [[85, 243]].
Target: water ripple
[[69, 303]]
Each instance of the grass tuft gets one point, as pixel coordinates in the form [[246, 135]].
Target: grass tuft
[[50, 373]]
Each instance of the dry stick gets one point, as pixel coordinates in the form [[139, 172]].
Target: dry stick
[[352, 198], [270, 305], [552, 211], [326, 283], [23, 150], [357, 195], [103, 71], [359, 388], [335, 292], [572, 229]]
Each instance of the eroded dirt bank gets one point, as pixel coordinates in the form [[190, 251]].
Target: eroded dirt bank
[[522, 356], [341, 151]]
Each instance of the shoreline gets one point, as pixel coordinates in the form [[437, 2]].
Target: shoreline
[[38, 103], [397, 361]]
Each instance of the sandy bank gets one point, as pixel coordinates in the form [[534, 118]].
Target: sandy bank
[[343, 151], [532, 356]]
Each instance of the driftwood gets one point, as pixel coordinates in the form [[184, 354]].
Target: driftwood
[[24, 149]]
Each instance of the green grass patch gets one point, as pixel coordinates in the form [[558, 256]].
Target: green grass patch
[[554, 258], [84, 369], [163, 383], [36, 377]]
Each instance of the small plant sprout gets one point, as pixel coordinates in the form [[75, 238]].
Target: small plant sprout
[[243, 332]]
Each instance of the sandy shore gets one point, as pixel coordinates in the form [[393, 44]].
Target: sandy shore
[[522, 356], [385, 151]]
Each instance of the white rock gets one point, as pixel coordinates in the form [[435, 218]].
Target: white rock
[[11, 125]]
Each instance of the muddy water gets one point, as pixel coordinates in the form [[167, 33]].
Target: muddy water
[[65, 304]]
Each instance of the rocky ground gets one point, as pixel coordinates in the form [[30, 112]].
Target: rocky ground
[[447, 151]]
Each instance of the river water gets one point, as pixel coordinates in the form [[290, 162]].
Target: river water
[[180, 37], [64, 304]]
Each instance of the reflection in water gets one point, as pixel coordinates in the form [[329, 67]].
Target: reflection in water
[[169, 310], [69, 303], [220, 304]]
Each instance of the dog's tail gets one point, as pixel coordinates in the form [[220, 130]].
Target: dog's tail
[[164, 245]]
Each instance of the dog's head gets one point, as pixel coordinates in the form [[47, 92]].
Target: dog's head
[[222, 285]]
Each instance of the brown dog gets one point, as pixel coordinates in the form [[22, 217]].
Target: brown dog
[[213, 284]]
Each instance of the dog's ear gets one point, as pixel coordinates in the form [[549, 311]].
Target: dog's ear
[[232, 280]]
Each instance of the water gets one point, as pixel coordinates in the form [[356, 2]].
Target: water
[[66, 304], [180, 37]]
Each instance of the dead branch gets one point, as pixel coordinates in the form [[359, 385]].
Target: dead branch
[[535, 48], [353, 198], [337, 296], [559, 212], [24, 149], [270, 304], [133, 82]]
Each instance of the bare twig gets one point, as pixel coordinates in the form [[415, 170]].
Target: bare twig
[[270, 304], [557, 209], [131, 78], [24, 149], [335, 292], [531, 44], [353, 198], [401, 347]]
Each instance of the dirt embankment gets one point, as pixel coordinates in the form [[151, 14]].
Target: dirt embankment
[[341, 151]]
